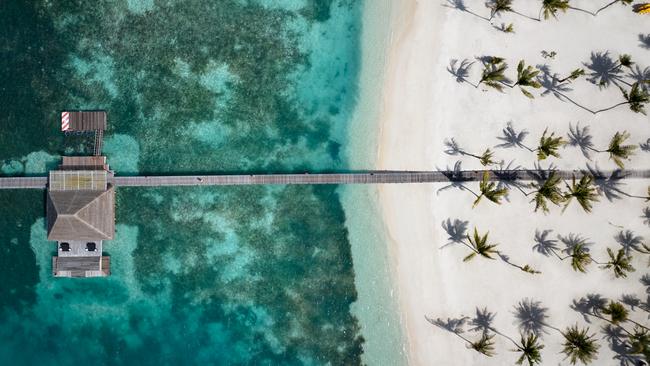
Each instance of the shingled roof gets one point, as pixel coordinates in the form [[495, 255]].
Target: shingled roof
[[81, 215]]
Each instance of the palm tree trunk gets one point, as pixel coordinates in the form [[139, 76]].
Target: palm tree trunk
[[609, 321], [506, 337], [609, 108], [606, 6], [637, 324], [476, 15], [574, 102], [525, 16], [582, 10]]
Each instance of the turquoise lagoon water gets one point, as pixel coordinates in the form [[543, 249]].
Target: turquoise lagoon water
[[234, 275]]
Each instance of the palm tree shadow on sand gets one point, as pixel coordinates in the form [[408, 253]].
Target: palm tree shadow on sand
[[453, 325], [644, 39], [531, 317], [604, 70], [454, 175], [588, 305], [512, 138], [609, 186], [581, 137], [460, 5], [630, 242], [617, 341], [551, 84], [461, 71], [482, 321], [543, 244], [456, 231]]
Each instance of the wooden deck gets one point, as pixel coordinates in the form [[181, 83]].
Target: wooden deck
[[373, 177], [87, 120], [81, 266]]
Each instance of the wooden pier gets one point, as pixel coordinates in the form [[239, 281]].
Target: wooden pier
[[371, 177]]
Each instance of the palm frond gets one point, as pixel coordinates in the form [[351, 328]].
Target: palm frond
[[485, 345], [548, 190], [530, 349], [551, 7], [549, 145], [579, 345], [619, 262], [585, 192], [618, 151], [580, 258]]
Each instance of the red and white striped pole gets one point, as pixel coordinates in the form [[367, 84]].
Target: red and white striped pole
[[65, 121]]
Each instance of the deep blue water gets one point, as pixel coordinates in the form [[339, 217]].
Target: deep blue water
[[236, 275]]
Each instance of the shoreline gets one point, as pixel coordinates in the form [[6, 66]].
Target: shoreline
[[376, 308], [398, 149]]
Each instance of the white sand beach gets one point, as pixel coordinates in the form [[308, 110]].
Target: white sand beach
[[423, 104]]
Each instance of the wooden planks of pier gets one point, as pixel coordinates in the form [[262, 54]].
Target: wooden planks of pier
[[373, 177]]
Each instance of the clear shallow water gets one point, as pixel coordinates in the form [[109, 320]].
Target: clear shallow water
[[239, 275]]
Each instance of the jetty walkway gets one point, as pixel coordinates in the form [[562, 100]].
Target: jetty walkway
[[370, 177]]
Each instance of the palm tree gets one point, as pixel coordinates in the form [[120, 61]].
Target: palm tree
[[584, 192], [479, 246], [580, 258], [494, 73], [616, 311], [620, 263], [551, 7], [640, 342], [637, 98], [624, 60], [489, 190], [617, 151], [499, 6], [526, 77], [485, 345], [579, 345], [548, 191], [575, 74], [486, 158], [623, 2], [530, 350], [548, 146]]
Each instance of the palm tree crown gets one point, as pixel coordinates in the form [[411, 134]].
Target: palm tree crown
[[636, 98], [579, 345], [620, 263], [640, 342], [489, 190], [617, 151], [551, 7], [530, 350], [580, 258], [526, 77], [548, 146], [548, 191], [479, 246], [494, 73], [584, 192], [499, 6], [487, 158], [617, 312], [485, 345]]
